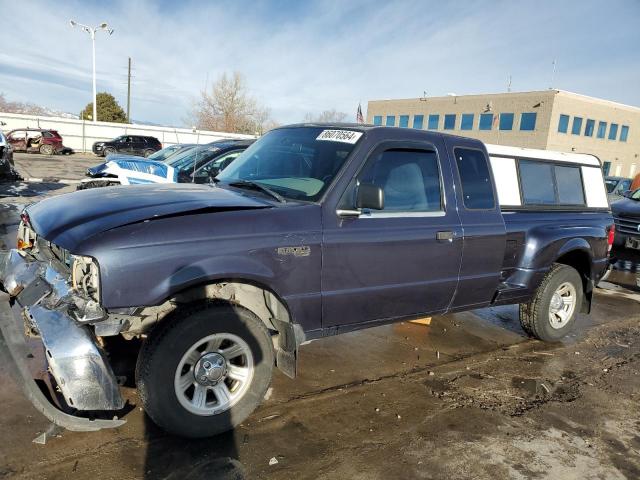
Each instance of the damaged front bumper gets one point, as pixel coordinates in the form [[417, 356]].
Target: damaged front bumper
[[37, 303]]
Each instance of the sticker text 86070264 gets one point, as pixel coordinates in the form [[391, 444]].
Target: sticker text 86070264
[[344, 136]]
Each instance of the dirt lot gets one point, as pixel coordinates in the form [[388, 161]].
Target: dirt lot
[[468, 396]]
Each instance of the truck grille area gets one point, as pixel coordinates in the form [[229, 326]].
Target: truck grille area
[[627, 225]]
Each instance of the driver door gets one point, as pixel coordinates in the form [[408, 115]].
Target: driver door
[[401, 261]]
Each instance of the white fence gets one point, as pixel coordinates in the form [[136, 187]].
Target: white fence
[[81, 134]]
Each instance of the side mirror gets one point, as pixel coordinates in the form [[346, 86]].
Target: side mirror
[[370, 196], [626, 193]]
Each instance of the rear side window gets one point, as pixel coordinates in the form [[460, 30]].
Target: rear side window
[[549, 184], [477, 190]]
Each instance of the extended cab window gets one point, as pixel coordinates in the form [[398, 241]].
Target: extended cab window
[[477, 189], [548, 184], [410, 180]]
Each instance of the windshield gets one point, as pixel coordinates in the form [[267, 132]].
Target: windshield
[[297, 163], [160, 155], [635, 195], [611, 184], [184, 161]]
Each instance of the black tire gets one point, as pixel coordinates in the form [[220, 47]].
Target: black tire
[[46, 149], [534, 316], [168, 342], [148, 152], [108, 151]]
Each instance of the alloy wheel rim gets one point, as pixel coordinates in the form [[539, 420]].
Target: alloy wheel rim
[[214, 374], [562, 305]]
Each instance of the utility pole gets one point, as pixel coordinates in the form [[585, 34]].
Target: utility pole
[[129, 92]]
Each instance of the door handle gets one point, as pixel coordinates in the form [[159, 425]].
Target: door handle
[[446, 236]]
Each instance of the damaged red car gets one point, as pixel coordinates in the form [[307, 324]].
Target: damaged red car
[[37, 140]]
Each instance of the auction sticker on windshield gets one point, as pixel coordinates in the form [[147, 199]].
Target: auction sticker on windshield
[[344, 136]]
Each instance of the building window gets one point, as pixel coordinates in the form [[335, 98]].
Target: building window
[[418, 120], [563, 124], [606, 166], [576, 128], [377, 120], [434, 120], [449, 121], [588, 129], [624, 133], [391, 121], [602, 128], [486, 121], [528, 121], [506, 121], [613, 131], [404, 121], [466, 122]]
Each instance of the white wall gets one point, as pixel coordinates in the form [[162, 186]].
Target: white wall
[[81, 134]]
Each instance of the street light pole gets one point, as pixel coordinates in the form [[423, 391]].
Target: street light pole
[[92, 32], [93, 51]]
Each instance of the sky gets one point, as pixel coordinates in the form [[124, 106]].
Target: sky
[[302, 57]]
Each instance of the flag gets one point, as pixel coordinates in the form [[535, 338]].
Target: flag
[[359, 117]]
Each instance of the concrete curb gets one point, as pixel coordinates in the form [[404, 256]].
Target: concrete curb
[[57, 180]]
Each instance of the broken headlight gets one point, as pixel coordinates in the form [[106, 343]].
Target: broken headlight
[[26, 235], [85, 276]]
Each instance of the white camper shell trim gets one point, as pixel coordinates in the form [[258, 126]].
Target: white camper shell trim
[[505, 172]]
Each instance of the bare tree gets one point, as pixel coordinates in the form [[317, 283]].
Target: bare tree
[[327, 116], [20, 107], [228, 107]]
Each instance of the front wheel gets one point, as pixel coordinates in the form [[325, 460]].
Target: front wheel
[[108, 151], [203, 371], [148, 153], [46, 149], [552, 312]]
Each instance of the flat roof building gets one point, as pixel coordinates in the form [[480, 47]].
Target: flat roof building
[[548, 119]]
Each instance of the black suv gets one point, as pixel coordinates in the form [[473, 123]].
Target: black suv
[[128, 145]]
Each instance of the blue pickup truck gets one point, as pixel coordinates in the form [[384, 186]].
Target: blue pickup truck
[[314, 230]]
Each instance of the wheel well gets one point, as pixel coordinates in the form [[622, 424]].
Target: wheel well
[[264, 303], [581, 261], [578, 259]]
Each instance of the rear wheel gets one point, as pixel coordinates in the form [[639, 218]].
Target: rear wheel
[[552, 312], [203, 371], [148, 152], [46, 149]]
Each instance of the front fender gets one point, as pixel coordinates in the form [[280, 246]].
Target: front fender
[[231, 267]]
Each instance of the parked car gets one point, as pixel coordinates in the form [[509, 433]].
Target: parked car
[[159, 156], [7, 167], [37, 140], [128, 145], [616, 186], [626, 213], [198, 164], [313, 231]]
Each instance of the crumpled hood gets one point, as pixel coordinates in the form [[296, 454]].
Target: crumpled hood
[[66, 220], [626, 208]]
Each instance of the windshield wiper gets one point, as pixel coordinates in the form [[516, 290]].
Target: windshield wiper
[[258, 186]]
